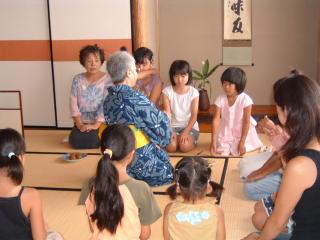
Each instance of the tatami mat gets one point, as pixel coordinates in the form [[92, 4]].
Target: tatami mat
[[63, 215], [50, 171], [51, 141], [237, 208], [44, 167], [156, 228]]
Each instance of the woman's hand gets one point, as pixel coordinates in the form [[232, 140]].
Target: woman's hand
[[81, 126], [84, 128], [266, 123], [87, 127], [91, 127], [277, 130], [254, 176]]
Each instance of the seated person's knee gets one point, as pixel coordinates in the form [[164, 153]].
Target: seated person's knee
[[258, 206], [171, 147], [258, 221], [187, 145], [260, 216]]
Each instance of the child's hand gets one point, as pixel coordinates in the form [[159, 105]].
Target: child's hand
[[147, 73], [241, 148], [184, 137], [154, 71], [213, 149]]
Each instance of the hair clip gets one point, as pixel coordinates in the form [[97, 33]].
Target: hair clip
[[108, 151], [11, 154]]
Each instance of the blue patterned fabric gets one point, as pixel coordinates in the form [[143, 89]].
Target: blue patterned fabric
[[151, 163]]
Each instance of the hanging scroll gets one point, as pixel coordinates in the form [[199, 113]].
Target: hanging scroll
[[237, 19]]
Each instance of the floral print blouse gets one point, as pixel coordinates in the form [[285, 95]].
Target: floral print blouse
[[86, 98]]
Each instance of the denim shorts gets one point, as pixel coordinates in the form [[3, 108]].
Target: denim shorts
[[268, 205], [193, 132]]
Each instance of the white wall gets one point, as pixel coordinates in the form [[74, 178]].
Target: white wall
[[105, 19], [284, 35], [33, 79], [94, 19], [73, 23], [21, 21]]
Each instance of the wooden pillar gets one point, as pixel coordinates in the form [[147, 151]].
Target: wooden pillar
[[146, 26], [139, 19]]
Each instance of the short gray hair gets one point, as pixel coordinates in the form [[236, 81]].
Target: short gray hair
[[118, 64]]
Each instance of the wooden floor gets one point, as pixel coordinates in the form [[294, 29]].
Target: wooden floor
[[60, 183]]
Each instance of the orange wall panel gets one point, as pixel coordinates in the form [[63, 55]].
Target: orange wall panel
[[63, 50], [25, 50]]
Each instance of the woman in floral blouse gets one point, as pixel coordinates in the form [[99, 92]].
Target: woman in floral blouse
[[88, 92]]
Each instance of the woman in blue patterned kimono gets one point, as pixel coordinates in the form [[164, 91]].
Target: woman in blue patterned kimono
[[128, 106]]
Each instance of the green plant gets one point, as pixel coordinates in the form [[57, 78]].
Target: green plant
[[202, 78]]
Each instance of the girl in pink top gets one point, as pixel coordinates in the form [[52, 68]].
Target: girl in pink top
[[233, 128], [149, 82]]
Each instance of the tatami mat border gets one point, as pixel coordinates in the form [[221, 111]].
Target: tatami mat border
[[59, 153], [170, 154], [222, 179], [56, 189]]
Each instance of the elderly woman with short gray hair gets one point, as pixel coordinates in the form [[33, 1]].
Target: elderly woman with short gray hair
[[150, 125]]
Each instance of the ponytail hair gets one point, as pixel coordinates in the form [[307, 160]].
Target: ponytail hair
[[120, 139], [217, 188], [117, 141], [108, 201], [12, 145], [192, 175]]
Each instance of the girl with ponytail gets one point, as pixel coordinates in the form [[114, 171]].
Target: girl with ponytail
[[21, 214], [118, 206], [194, 215]]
